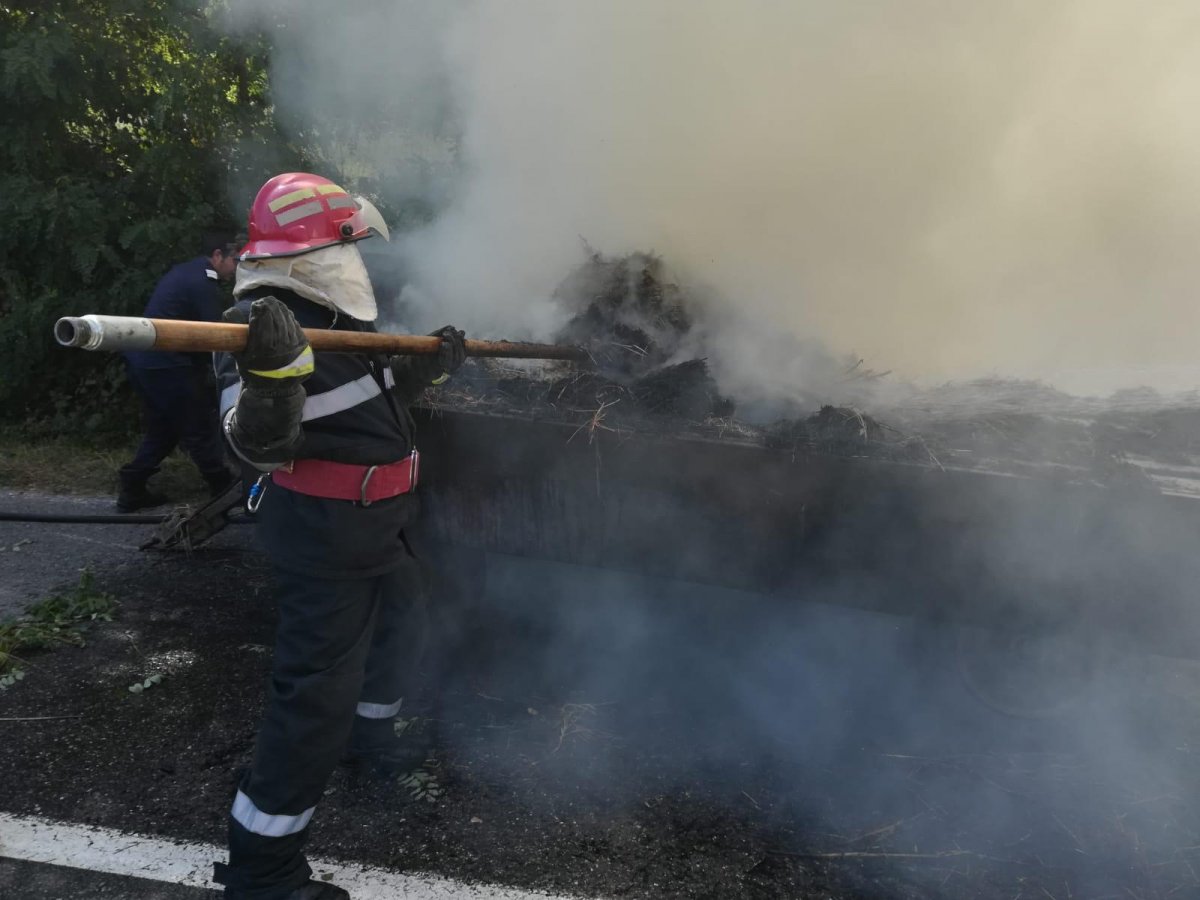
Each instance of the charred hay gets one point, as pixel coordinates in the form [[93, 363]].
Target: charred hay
[[685, 390], [1141, 449], [632, 321], [626, 314], [647, 376]]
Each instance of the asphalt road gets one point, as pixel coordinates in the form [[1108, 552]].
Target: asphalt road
[[42, 859], [38, 558], [38, 881], [604, 737]]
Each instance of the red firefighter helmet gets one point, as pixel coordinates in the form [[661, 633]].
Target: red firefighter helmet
[[297, 212]]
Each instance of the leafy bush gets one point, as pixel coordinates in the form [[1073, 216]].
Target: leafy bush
[[125, 122]]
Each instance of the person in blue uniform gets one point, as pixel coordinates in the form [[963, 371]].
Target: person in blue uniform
[[179, 406]]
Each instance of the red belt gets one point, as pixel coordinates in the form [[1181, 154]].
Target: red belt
[[339, 481]]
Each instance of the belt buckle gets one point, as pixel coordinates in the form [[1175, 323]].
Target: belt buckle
[[362, 494]]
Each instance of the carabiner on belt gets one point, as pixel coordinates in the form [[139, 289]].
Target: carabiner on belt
[[254, 498], [362, 493]]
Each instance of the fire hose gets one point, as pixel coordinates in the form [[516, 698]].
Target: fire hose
[[120, 333], [188, 527], [85, 519], [184, 527]]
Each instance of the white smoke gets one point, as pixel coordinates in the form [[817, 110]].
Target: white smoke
[[940, 188], [943, 189]]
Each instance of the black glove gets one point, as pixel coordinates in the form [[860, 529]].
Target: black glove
[[450, 355], [273, 367], [277, 357]]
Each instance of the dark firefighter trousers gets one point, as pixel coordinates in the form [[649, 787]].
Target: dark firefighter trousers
[[346, 653], [179, 408]]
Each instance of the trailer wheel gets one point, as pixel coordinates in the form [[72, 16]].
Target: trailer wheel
[[1026, 673]]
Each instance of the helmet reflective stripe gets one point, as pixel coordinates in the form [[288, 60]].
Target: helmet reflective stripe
[[329, 189], [341, 202], [288, 216], [288, 199]]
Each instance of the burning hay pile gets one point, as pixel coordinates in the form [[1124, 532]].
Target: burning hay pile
[[634, 324], [650, 372], [628, 316], [650, 375]]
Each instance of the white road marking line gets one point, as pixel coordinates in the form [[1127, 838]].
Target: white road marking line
[[34, 839]]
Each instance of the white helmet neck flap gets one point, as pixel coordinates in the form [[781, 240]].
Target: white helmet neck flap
[[334, 277]]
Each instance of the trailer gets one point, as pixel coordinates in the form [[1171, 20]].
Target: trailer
[[1041, 578]]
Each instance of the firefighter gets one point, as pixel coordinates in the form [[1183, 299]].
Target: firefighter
[[178, 402], [334, 440]]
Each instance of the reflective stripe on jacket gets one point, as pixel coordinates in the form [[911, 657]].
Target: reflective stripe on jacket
[[356, 410]]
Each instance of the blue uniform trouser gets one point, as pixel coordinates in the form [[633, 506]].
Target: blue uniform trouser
[[346, 653], [178, 409]]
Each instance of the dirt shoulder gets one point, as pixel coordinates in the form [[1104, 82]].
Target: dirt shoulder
[[74, 466]]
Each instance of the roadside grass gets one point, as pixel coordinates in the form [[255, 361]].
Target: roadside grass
[[65, 464], [49, 623]]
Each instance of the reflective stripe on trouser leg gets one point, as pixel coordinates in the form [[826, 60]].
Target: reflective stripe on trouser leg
[[321, 647], [253, 819], [379, 710], [399, 639], [395, 655]]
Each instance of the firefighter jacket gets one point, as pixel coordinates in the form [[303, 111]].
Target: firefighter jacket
[[355, 411]]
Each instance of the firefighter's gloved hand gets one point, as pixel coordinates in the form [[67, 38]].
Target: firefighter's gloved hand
[[265, 424], [415, 373], [451, 355], [277, 357]]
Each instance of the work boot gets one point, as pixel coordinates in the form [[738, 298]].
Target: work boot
[[135, 495], [376, 750], [237, 888], [401, 758], [318, 890], [312, 890]]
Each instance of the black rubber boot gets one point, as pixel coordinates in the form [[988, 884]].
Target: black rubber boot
[[378, 751], [310, 890], [401, 757], [318, 890]]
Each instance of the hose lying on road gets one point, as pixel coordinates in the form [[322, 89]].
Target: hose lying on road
[[116, 519]]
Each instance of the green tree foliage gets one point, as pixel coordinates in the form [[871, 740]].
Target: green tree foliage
[[125, 122]]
